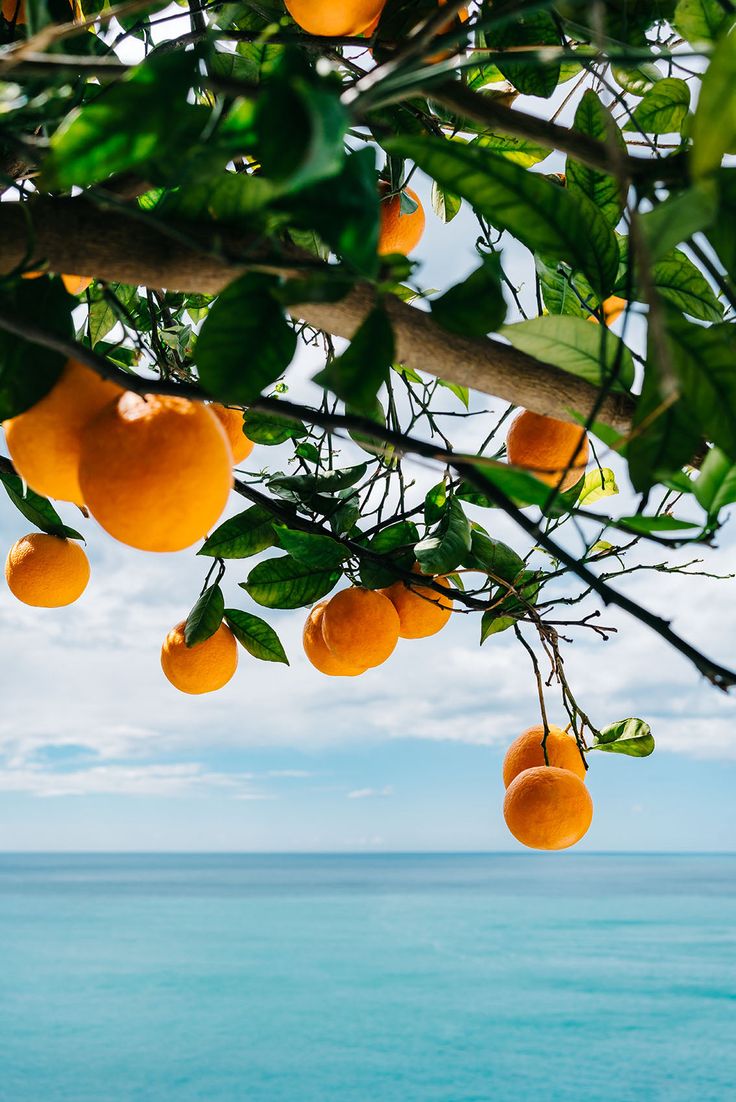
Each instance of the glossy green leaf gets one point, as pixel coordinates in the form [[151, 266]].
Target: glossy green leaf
[[269, 430], [715, 486], [36, 509], [677, 218], [518, 150], [700, 20], [593, 119], [647, 525], [396, 542], [442, 552], [246, 342], [258, 637], [682, 283], [493, 557], [705, 363], [627, 736], [359, 373], [663, 108], [29, 300], [597, 484], [445, 204], [206, 616], [543, 216], [286, 583], [476, 306], [530, 76], [303, 487], [242, 536], [311, 548], [576, 345], [714, 125]]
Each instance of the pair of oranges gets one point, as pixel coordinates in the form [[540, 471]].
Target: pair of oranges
[[359, 628], [547, 804]]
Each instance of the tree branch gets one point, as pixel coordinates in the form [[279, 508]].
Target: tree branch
[[73, 235]]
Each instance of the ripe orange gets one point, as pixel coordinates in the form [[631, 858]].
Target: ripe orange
[[526, 752], [399, 233], [317, 650], [360, 627], [75, 284], [546, 447], [334, 17], [203, 668], [44, 441], [155, 471], [612, 307], [46, 571], [547, 808], [422, 612], [14, 11], [461, 17], [232, 422]]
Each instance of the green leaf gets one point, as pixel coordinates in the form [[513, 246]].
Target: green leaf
[[665, 437], [396, 542], [206, 616], [435, 502], [597, 484], [462, 393], [646, 525], [562, 292], [476, 306], [246, 342], [722, 233], [518, 150], [258, 637], [241, 536], [682, 283], [359, 373], [143, 119], [494, 558], [231, 199], [529, 76], [269, 429], [592, 118], [543, 216], [714, 125], [299, 123], [28, 300], [663, 109], [302, 487], [287, 583], [445, 204], [37, 509], [444, 551], [715, 486], [311, 548], [699, 20], [636, 81], [511, 608], [678, 218], [493, 624], [627, 736], [577, 346], [704, 361]]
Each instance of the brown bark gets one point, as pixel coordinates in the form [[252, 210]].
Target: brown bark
[[72, 235]]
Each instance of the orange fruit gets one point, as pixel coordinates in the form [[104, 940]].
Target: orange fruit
[[422, 612], [44, 441], [334, 17], [547, 808], [461, 17], [156, 472], [232, 422], [360, 627], [398, 233], [612, 307], [203, 668], [317, 650], [14, 11], [545, 447], [526, 752], [75, 284], [46, 571]]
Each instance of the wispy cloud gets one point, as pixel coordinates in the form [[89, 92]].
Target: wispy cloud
[[371, 793], [186, 779]]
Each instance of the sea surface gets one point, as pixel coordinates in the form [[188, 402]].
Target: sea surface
[[367, 979]]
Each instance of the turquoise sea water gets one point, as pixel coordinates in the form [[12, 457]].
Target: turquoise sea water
[[367, 979]]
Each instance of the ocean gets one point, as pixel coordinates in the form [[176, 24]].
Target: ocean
[[403, 978]]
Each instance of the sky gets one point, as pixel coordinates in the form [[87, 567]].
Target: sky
[[99, 752]]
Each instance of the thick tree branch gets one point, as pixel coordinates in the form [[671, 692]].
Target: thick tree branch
[[73, 235]]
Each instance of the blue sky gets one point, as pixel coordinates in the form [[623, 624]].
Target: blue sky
[[98, 751]]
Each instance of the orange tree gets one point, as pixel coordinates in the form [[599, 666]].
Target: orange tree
[[238, 188]]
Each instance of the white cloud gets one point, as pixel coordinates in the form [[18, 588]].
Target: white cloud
[[371, 793], [186, 779]]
